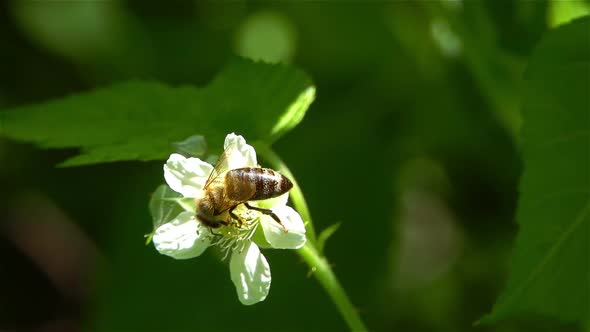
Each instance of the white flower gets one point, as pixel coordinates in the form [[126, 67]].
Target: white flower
[[185, 237]]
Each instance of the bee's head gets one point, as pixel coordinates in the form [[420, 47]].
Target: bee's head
[[209, 220]]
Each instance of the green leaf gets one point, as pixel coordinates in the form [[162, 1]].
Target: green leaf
[[551, 260], [141, 120], [325, 235], [564, 11], [164, 205], [194, 146]]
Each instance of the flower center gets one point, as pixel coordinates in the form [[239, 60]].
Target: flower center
[[236, 235]]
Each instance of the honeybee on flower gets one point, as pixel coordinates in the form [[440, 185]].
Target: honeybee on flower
[[232, 201]]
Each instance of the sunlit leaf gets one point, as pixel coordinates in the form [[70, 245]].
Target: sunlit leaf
[[565, 11], [141, 120], [551, 260]]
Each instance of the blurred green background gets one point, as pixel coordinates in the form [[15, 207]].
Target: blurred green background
[[412, 145]]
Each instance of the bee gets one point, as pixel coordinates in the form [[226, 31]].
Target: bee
[[226, 189]]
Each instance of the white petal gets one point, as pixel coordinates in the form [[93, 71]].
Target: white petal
[[275, 234], [181, 238], [186, 176], [250, 274], [239, 153]]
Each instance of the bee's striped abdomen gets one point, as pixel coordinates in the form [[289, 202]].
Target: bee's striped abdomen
[[253, 183]]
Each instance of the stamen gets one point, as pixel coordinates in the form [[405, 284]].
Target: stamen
[[234, 236]]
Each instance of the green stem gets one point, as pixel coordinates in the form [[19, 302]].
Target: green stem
[[324, 274], [318, 264], [295, 194]]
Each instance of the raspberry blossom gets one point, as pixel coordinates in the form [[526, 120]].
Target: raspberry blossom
[[182, 236]]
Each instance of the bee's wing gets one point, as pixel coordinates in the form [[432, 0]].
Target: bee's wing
[[216, 177], [221, 166]]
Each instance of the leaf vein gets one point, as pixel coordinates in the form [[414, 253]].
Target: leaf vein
[[552, 251]]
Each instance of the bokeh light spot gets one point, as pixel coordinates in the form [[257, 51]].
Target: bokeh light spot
[[266, 35], [446, 40]]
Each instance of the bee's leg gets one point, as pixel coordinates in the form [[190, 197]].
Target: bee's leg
[[234, 216], [212, 232], [217, 224], [268, 212]]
